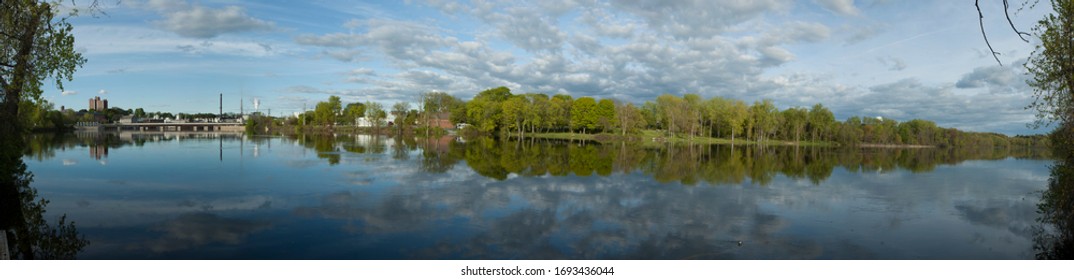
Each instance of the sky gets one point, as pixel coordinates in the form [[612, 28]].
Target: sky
[[893, 59]]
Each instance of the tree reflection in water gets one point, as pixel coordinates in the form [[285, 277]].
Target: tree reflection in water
[[29, 234], [1054, 236]]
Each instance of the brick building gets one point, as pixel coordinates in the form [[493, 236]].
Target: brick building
[[98, 104]]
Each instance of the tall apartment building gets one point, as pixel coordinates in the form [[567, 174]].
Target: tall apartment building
[[98, 104]]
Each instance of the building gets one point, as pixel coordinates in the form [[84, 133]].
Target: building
[[98, 104], [440, 120]]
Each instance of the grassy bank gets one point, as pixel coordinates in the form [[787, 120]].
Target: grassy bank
[[653, 136]]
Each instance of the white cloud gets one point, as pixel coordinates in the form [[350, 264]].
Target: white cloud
[[842, 7], [698, 18], [996, 78], [196, 21], [102, 92], [126, 40], [68, 92]]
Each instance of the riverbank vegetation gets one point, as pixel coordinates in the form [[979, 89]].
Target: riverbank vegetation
[[669, 118]]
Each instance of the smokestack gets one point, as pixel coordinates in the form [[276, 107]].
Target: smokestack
[[221, 106]]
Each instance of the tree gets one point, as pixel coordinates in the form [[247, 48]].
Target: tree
[[352, 112], [560, 111], [327, 112], [630, 118], [540, 111], [436, 105], [820, 121], [605, 115], [736, 117], [375, 113], [670, 111], [584, 114], [399, 110], [1051, 65], [499, 94], [651, 113], [36, 46], [766, 118], [692, 103], [716, 111], [515, 113], [795, 119]]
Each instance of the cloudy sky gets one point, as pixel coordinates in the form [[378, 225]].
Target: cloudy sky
[[896, 59]]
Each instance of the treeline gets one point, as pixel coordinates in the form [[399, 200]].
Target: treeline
[[497, 111]]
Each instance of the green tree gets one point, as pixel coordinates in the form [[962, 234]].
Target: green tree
[[514, 113], [715, 113], [820, 121], [540, 111], [669, 109], [765, 118], [327, 112], [352, 112], [399, 110], [499, 94], [375, 113], [1051, 65], [605, 115], [584, 114], [795, 120], [693, 113], [560, 111], [37, 45], [736, 118], [651, 113], [630, 118]]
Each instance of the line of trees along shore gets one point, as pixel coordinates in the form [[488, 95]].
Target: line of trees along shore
[[498, 111]]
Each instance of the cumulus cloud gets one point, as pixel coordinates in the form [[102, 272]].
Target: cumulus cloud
[[650, 61], [635, 50], [910, 99], [700, 18], [102, 92], [196, 21], [1005, 79], [68, 92], [841, 7]]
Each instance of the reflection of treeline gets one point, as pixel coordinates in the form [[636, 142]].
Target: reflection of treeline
[[712, 164]]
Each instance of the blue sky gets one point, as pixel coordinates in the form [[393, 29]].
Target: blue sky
[[895, 59]]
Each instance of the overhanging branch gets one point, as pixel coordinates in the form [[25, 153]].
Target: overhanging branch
[[980, 19]]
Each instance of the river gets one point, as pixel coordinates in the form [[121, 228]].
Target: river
[[232, 196]]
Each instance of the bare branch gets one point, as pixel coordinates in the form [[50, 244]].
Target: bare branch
[[1007, 12], [980, 19]]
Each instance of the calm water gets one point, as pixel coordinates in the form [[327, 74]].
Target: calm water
[[225, 196]]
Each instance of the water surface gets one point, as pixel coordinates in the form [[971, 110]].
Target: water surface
[[229, 196]]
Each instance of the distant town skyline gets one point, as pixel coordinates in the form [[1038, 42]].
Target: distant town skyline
[[893, 59]]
